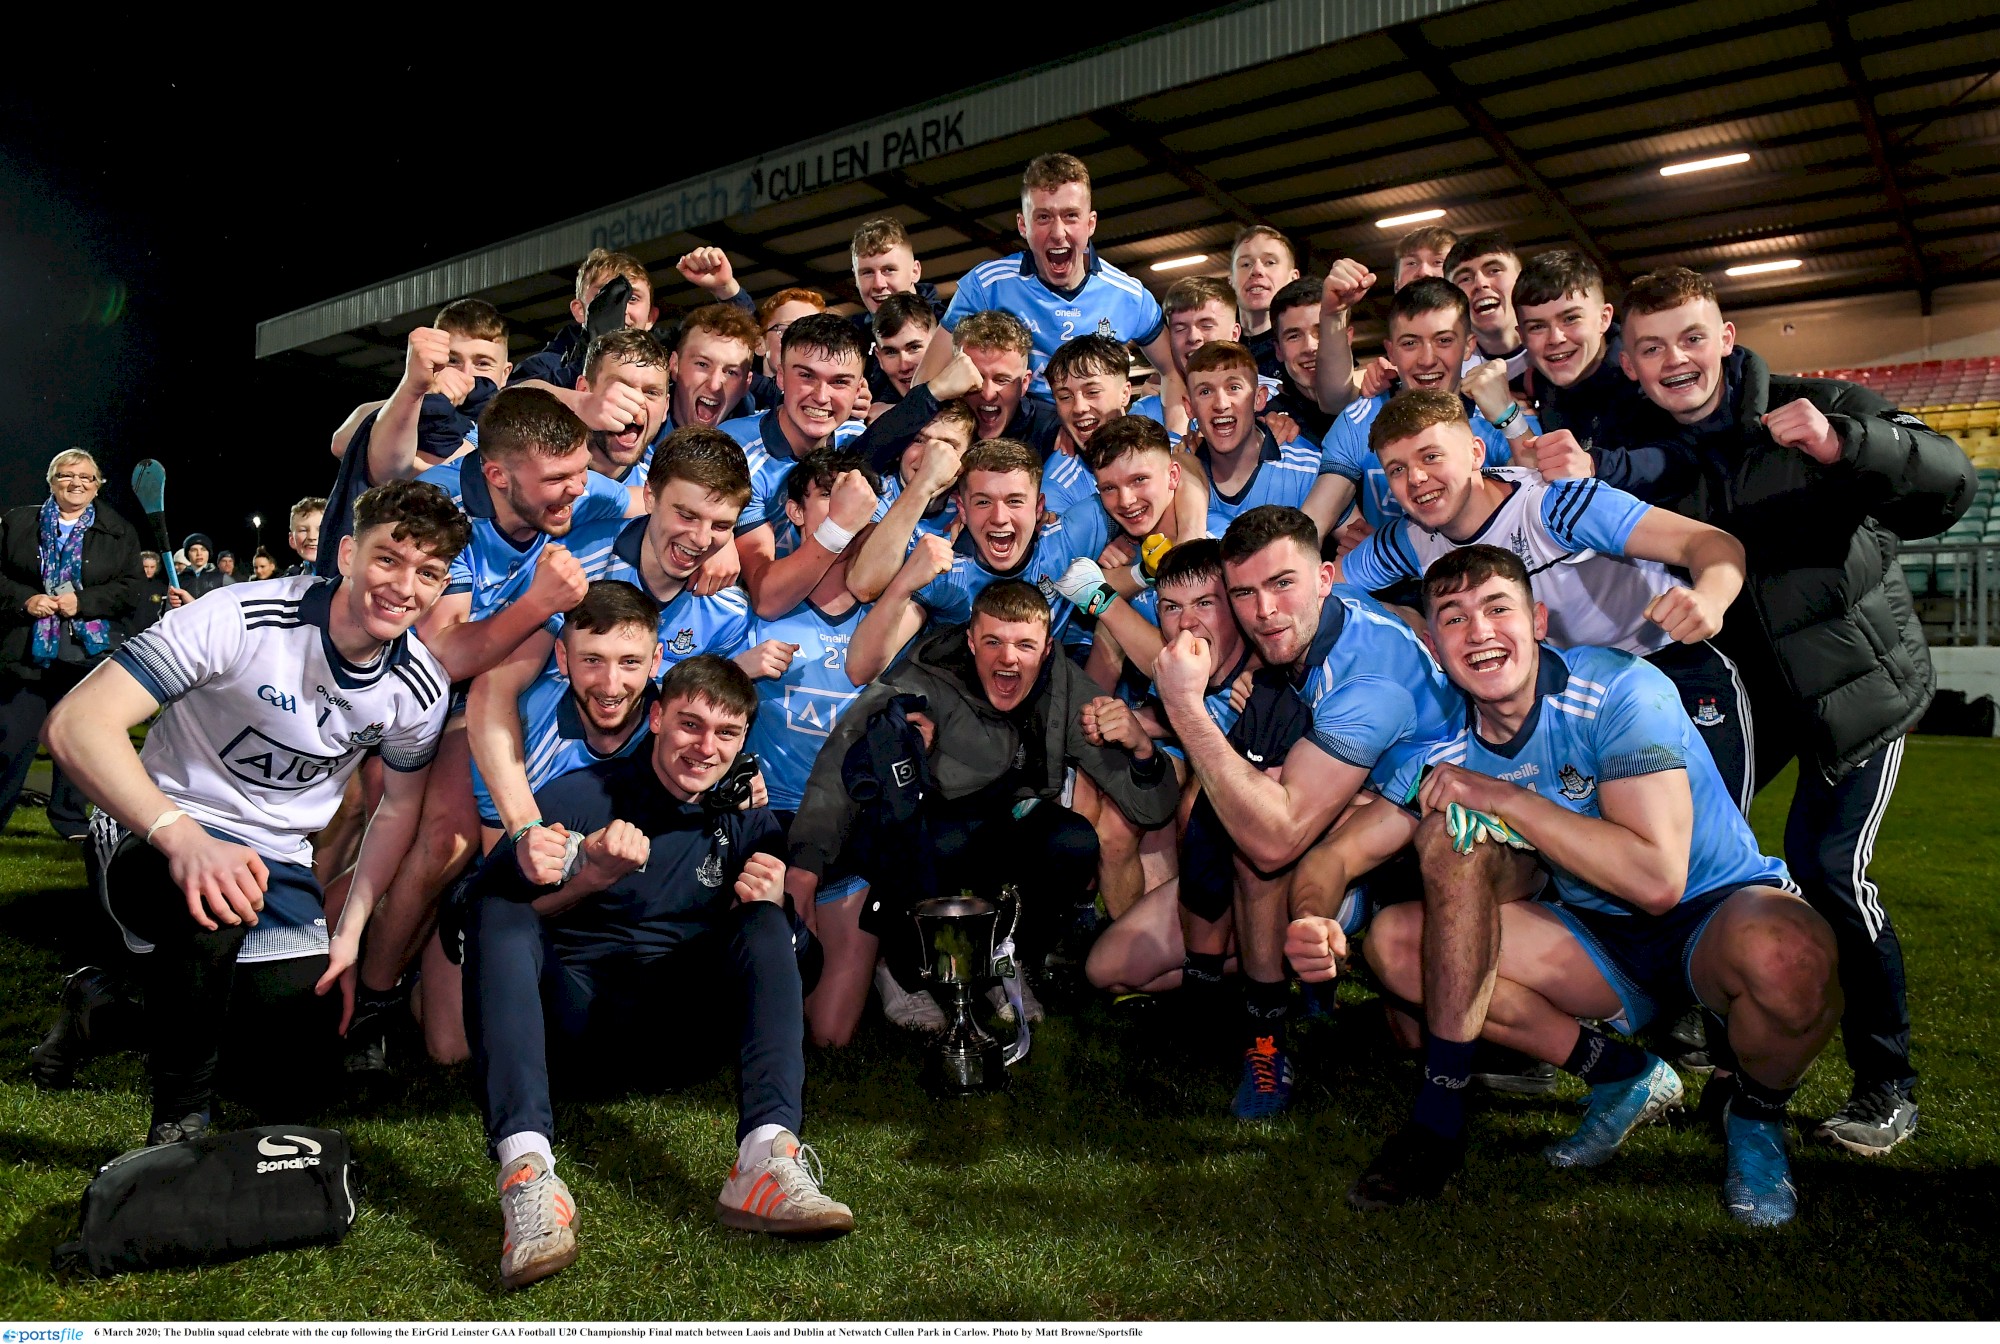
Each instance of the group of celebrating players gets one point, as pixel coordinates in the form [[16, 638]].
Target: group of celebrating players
[[640, 689]]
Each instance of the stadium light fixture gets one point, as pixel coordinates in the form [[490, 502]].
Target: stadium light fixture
[[1415, 217], [1765, 267], [1180, 263], [1703, 165]]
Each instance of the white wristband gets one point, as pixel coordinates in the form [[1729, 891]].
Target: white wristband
[[832, 535], [166, 818], [1517, 428]]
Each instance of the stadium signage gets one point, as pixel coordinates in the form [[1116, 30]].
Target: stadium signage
[[783, 177]]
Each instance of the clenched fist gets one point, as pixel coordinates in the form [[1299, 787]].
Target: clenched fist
[[709, 268], [612, 407], [428, 352], [559, 581], [540, 852], [1108, 720], [609, 854], [853, 501], [1347, 283], [1316, 947], [1687, 615], [767, 661], [762, 879], [957, 378], [1802, 425], [1556, 455], [1487, 386]]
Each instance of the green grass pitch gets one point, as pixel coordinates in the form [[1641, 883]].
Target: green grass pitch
[[1110, 1182]]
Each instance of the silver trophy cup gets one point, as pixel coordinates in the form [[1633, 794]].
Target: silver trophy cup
[[957, 936]]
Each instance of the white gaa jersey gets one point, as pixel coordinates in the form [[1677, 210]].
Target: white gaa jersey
[[264, 720], [1570, 534]]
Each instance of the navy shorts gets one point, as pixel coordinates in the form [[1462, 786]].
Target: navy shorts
[[1646, 959]]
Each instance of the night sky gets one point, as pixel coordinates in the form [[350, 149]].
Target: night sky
[[152, 210]]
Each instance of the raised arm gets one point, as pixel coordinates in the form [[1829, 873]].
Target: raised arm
[[896, 618], [493, 730], [1347, 282], [887, 544], [1712, 557], [467, 647]]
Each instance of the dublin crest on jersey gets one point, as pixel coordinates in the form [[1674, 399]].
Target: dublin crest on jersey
[[1706, 715], [682, 643], [1576, 786]]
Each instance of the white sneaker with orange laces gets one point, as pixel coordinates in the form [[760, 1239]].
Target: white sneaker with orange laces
[[539, 1217], [779, 1195]]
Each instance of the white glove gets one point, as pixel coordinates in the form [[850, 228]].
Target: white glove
[[1083, 584]]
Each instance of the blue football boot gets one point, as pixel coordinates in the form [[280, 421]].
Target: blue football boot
[[1758, 1189], [1266, 1088], [1616, 1109]]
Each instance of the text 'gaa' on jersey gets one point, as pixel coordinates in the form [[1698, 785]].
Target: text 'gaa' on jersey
[[259, 759], [271, 695], [810, 710]]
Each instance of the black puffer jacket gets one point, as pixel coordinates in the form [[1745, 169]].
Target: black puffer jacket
[[975, 744], [1825, 597], [113, 580]]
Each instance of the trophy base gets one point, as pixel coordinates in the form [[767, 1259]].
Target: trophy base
[[964, 1068]]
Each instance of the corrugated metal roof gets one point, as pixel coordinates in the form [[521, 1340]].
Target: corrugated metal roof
[[1323, 117]]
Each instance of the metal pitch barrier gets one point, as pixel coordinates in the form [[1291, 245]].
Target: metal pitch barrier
[[1956, 583]]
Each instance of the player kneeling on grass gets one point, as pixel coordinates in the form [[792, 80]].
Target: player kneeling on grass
[[1582, 778], [269, 695], [643, 895]]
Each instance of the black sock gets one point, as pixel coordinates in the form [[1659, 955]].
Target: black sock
[[1715, 1031], [1441, 1103], [1202, 970], [1266, 1002], [1597, 1058], [1754, 1101]]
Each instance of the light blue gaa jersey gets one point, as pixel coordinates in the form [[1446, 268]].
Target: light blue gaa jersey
[[495, 569], [1346, 453], [689, 623], [1570, 534], [1602, 715], [552, 739], [935, 524], [1107, 303], [1379, 701], [796, 712], [769, 454], [948, 597], [1066, 482], [1284, 474]]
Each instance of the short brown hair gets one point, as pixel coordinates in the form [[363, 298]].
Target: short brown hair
[[1010, 600], [1469, 566], [612, 604], [995, 329], [1215, 355], [306, 507], [1046, 172], [1411, 412], [602, 264], [1196, 291], [1254, 529], [1082, 356], [1194, 561], [419, 512], [714, 679], [1261, 231], [474, 319], [627, 345], [956, 412], [1548, 277], [1668, 287], [1001, 455], [875, 236], [725, 320], [523, 420], [705, 456], [812, 298], [1430, 238], [1126, 434], [904, 310], [822, 467], [1474, 246]]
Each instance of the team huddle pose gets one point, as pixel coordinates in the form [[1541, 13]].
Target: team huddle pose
[[657, 677]]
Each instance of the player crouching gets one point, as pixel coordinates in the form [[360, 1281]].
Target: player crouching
[[644, 894], [1652, 894], [269, 695]]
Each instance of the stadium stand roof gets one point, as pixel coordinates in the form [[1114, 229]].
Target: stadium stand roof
[[1873, 131]]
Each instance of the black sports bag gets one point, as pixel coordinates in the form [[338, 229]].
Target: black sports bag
[[220, 1197]]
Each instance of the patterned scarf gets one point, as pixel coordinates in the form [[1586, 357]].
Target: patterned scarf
[[62, 562]]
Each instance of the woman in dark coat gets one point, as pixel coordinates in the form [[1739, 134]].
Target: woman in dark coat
[[70, 581]]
